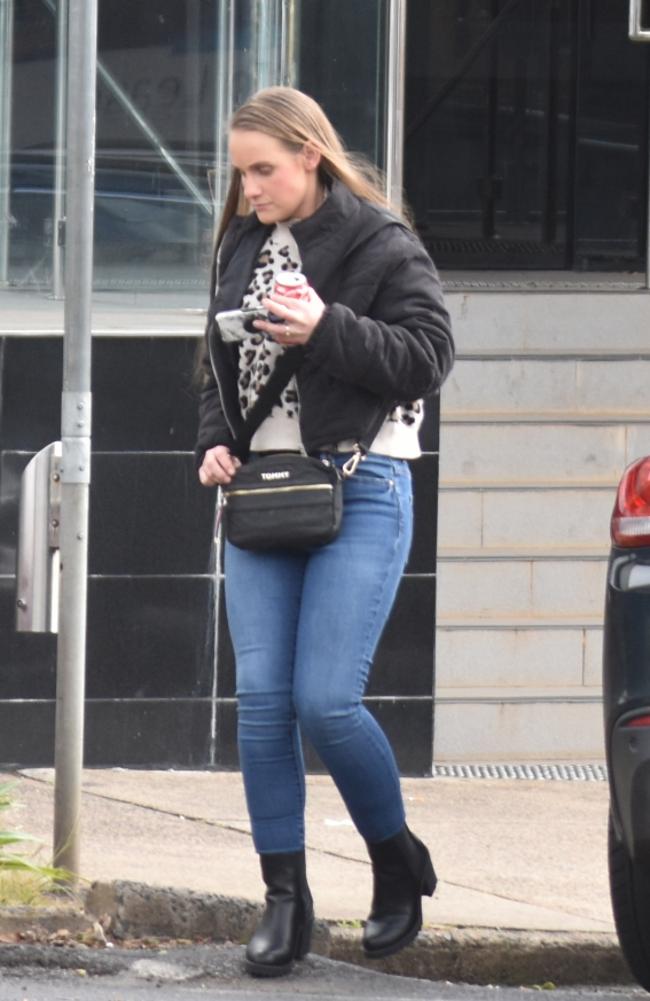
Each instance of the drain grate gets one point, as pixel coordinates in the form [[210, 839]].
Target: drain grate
[[553, 773]]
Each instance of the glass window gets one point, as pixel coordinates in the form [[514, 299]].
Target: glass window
[[342, 63], [526, 133], [33, 87], [169, 75], [155, 142], [611, 144]]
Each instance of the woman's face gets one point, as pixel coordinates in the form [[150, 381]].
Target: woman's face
[[278, 183]]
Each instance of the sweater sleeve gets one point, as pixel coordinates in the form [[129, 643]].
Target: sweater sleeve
[[403, 348]]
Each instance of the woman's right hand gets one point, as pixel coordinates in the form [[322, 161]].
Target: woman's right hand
[[219, 466]]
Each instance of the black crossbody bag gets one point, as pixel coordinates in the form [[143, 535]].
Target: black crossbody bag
[[282, 500]]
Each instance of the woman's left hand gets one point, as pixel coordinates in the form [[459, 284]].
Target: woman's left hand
[[298, 318]]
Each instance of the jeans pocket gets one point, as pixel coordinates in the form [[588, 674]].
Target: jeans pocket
[[371, 480]]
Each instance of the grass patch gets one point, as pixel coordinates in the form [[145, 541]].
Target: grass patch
[[26, 889], [23, 881]]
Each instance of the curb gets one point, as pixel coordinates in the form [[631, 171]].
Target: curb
[[473, 956], [137, 910], [497, 956]]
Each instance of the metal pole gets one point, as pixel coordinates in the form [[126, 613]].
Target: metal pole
[[639, 33], [289, 41], [58, 212], [395, 102], [636, 30], [225, 97], [647, 242], [75, 437], [6, 75]]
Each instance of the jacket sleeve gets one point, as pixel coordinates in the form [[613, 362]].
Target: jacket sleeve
[[403, 348], [213, 427]]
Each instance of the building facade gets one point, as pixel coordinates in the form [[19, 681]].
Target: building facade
[[519, 132]]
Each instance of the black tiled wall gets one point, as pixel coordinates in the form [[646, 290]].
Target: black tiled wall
[[158, 692]]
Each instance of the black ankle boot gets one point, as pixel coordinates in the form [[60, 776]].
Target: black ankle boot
[[284, 933], [403, 873]]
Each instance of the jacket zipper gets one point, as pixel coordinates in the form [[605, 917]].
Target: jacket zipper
[[217, 267]]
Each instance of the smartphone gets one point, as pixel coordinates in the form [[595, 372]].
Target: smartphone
[[237, 324]]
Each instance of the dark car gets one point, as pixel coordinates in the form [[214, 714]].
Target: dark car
[[626, 692]]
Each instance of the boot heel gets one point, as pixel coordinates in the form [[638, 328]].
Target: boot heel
[[303, 943], [429, 879]]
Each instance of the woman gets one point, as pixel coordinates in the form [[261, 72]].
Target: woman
[[375, 339]]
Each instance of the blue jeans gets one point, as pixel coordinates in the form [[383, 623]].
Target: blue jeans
[[305, 627]]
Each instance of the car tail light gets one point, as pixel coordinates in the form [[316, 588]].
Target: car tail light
[[638, 721], [630, 524]]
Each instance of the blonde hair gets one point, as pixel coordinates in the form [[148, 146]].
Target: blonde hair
[[296, 119]]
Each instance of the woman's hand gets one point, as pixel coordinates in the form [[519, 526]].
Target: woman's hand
[[299, 317], [219, 466]]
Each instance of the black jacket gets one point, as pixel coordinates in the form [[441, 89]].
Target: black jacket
[[384, 338]]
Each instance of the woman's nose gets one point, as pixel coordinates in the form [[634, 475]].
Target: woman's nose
[[251, 188]]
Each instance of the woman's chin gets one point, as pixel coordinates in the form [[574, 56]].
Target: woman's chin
[[267, 213]]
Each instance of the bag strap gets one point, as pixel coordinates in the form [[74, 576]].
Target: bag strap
[[284, 369]]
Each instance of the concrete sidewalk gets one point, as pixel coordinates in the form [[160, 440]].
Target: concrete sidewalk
[[514, 857]]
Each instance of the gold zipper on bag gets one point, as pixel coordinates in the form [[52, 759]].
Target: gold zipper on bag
[[275, 490]]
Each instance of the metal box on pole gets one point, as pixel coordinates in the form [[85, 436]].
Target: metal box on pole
[[38, 563]]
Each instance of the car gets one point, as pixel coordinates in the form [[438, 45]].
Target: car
[[626, 695]]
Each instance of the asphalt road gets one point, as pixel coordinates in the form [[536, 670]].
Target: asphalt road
[[216, 972], [68, 987]]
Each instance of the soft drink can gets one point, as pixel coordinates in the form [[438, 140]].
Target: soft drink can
[[294, 285]]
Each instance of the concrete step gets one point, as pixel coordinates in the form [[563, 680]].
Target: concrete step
[[529, 728], [520, 658], [552, 588], [489, 453], [547, 404], [543, 387], [508, 521], [585, 321]]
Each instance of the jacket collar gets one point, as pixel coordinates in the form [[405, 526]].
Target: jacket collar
[[338, 226]]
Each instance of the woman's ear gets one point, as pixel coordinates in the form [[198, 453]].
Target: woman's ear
[[311, 156]]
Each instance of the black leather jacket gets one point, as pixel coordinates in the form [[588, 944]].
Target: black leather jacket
[[384, 338]]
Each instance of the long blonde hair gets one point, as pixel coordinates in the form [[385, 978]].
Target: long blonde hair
[[295, 119]]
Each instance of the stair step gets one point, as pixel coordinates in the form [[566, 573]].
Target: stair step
[[518, 730], [510, 523], [539, 387], [461, 622], [613, 353], [550, 321], [549, 453], [524, 552], [534, 693], [578, 418], [471, 660], [482, 588]]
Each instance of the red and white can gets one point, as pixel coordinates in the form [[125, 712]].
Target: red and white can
[[293, 284]]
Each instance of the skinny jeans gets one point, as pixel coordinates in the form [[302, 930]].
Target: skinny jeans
[[305, 626]]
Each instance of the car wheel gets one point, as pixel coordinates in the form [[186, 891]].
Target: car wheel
[[629, 883]]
